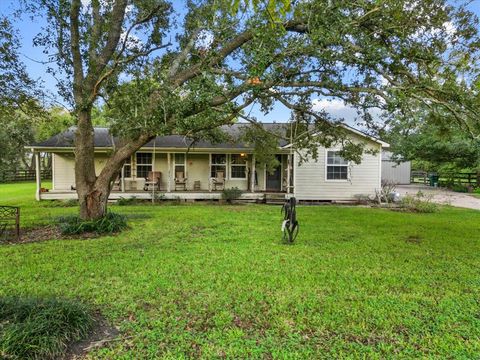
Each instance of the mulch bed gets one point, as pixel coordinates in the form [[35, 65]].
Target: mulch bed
[[44, 233]]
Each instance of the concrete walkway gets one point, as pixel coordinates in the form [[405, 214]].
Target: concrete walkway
[[442, 196]]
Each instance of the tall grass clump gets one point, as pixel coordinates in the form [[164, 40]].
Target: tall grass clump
[[109, 224], [33, 328]]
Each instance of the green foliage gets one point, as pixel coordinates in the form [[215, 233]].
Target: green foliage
[[53, 121], [127, 201], [40, 328], [231, 194], [459, 188], [111, 223], [276, 10], [419, 203], [435, 148], [265, 144]]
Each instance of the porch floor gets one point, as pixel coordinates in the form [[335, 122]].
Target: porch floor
[[174, 195]]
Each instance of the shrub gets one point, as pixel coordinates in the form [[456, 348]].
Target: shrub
[[231, 194], [387, 192], [362, 199], [419, 203], [110, 223], [40, 328], [158, 197], [127, 201], [459, 188]]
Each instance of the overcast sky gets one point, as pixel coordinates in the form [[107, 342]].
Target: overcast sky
[[31, 55]]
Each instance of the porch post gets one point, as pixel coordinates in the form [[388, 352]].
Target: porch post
[[38, 176], [289, 162], [210, 172], [169, 181], [122, 184], [252, 175]]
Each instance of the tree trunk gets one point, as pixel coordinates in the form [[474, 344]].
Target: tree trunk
[[93, 191], [92, 196]]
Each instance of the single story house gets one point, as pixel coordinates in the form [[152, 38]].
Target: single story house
[[174, 167]]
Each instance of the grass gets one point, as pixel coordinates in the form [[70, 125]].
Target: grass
[[210, 281], [40, 328]]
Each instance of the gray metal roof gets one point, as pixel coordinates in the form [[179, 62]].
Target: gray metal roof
[[103, 139]]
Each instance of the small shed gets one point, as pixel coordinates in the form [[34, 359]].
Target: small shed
[[392, 171]]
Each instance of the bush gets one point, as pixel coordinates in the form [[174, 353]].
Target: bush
[[231, 194], [459, 188], [419, 203], [110, 223], [40, 328], [127, 201]]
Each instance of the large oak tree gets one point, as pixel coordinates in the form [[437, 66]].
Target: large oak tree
[[168, 70]]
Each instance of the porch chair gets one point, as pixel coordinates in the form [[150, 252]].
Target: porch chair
[[219, 181], [180, 181], [153, 179]]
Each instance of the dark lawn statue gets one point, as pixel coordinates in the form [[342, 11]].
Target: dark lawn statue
[[290, 225]]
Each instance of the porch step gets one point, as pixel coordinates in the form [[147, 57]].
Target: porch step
[[274, 198]]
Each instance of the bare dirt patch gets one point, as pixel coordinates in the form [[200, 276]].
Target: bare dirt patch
[[414, 239], [101, 334], [44, 233]]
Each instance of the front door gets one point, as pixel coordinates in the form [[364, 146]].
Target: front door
[[274, 180]]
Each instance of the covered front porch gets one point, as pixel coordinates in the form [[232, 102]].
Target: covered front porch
[[178, 175]]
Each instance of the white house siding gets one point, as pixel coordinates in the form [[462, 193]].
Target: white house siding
[[311, 184], [198, 169], [161, 165], [63, 171]]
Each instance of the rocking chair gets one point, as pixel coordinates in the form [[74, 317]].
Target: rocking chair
[[180, 181], [152, 180], [219, 181]]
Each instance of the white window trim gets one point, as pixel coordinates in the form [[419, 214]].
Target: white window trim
[[244, 165], [131, 168], [140, 164], [212, 164], [326, 167], [174, 163]]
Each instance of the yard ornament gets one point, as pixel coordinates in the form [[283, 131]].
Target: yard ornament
[[290, 226]]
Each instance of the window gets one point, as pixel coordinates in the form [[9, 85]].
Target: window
[[238, 166], [337, 167], [219, 163], [144, 164], [127, 168], [179, 162]]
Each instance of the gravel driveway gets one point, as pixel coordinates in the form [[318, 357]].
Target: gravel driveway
[[442, 196]]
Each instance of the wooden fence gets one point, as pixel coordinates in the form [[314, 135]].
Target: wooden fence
[[23, 175], [423, 177]]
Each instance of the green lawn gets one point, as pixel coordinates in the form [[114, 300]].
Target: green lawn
[[215, 281]]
